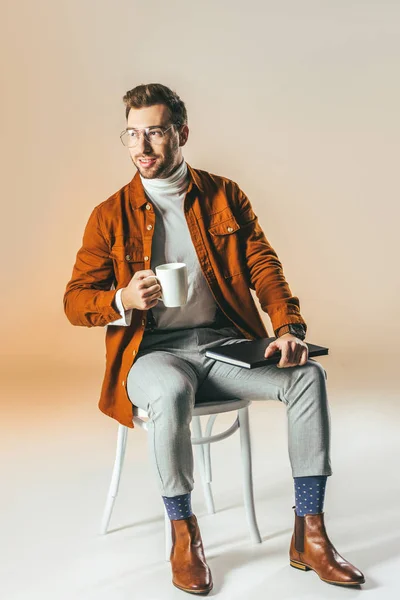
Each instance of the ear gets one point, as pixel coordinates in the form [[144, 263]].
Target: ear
[[183, 135]]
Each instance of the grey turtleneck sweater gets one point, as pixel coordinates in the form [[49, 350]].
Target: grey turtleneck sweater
[[172, 243]]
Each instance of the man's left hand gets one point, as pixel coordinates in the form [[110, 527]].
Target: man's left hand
[[294, 351]]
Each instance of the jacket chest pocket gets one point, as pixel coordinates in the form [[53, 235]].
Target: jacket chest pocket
[[225, 239], [128, 258]]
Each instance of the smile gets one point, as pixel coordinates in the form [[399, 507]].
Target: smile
[[147, 162]]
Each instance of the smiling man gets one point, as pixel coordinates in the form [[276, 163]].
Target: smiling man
[[172, 212]]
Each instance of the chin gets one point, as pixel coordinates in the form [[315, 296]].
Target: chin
[[144, 171], [147, 174], [154, 173]]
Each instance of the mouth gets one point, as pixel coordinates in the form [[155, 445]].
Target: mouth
[[147, 162]]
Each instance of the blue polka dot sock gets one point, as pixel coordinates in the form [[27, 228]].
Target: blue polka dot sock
[[309, 494], [178, 507]]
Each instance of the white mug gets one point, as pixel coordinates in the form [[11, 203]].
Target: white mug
[[173, 279]]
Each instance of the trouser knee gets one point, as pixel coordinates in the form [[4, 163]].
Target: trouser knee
[[174, 406], [307, 384]]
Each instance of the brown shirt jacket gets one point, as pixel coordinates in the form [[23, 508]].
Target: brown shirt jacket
[[234, 256]]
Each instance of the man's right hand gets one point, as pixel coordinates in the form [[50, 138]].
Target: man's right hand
[[142, 292]]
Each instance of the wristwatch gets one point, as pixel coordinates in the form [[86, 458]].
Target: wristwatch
[[296, 329]]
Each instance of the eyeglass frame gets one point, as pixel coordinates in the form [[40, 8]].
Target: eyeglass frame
[[146, 132]]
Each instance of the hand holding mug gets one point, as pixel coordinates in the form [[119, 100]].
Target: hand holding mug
[[142, 292]]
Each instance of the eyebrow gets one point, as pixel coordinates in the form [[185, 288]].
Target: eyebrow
[[149, 127]]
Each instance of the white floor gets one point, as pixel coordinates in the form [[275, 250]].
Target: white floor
[[58, 450]]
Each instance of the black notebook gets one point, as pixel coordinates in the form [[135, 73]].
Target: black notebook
[[250, 354]]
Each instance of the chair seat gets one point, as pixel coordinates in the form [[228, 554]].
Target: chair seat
[[204, 408]]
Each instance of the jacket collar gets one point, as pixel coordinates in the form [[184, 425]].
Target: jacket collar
[[195, 177], [137, 194]]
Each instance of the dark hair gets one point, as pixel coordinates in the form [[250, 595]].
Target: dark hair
[[156, 93]]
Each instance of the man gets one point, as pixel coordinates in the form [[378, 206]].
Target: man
[[155, 359]]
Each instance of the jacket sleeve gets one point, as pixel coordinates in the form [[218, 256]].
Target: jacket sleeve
[[88, 298], [265, 269]]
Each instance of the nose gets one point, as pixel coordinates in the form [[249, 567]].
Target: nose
[[143, 144]]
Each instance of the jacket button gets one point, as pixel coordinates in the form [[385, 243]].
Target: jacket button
[[230, 229], [146, 258], [133, 352], [148, 206], [143, 322], [149, 227], [123, 384], [128, 257]]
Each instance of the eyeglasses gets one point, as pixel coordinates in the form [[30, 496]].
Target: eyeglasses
[[154, 135]]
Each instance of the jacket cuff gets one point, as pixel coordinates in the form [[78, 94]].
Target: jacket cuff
[[106, 306]]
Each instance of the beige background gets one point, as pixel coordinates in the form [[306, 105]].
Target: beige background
[[297, 101]]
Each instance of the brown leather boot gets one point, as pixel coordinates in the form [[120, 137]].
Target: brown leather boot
[[190, 571], [312, 549]]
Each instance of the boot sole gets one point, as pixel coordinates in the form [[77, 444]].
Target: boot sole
[[303, 567], [198, 593]]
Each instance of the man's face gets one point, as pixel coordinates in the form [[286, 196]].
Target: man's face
[[153, 160]]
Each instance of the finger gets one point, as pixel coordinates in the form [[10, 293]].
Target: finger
[[304, 356], [148, 282], [151, 291], [152, 303], [298, 353], [292, 357], [273, 346], [144, 274], [285, 355]]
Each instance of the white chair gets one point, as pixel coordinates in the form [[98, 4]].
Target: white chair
[[202, 447]]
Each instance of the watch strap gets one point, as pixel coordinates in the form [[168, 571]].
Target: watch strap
[[296, 329]]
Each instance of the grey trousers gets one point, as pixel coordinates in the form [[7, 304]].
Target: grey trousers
[[171, 373]]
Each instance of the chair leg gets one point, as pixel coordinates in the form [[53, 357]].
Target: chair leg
[[168, 535], [207, 449], [196, 424], [247, 475], [115, 478]]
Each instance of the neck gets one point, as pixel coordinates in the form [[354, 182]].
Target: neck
[[175, 169], [175, 183]]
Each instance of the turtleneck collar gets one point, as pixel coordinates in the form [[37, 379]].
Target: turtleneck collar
[[174, 184]]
